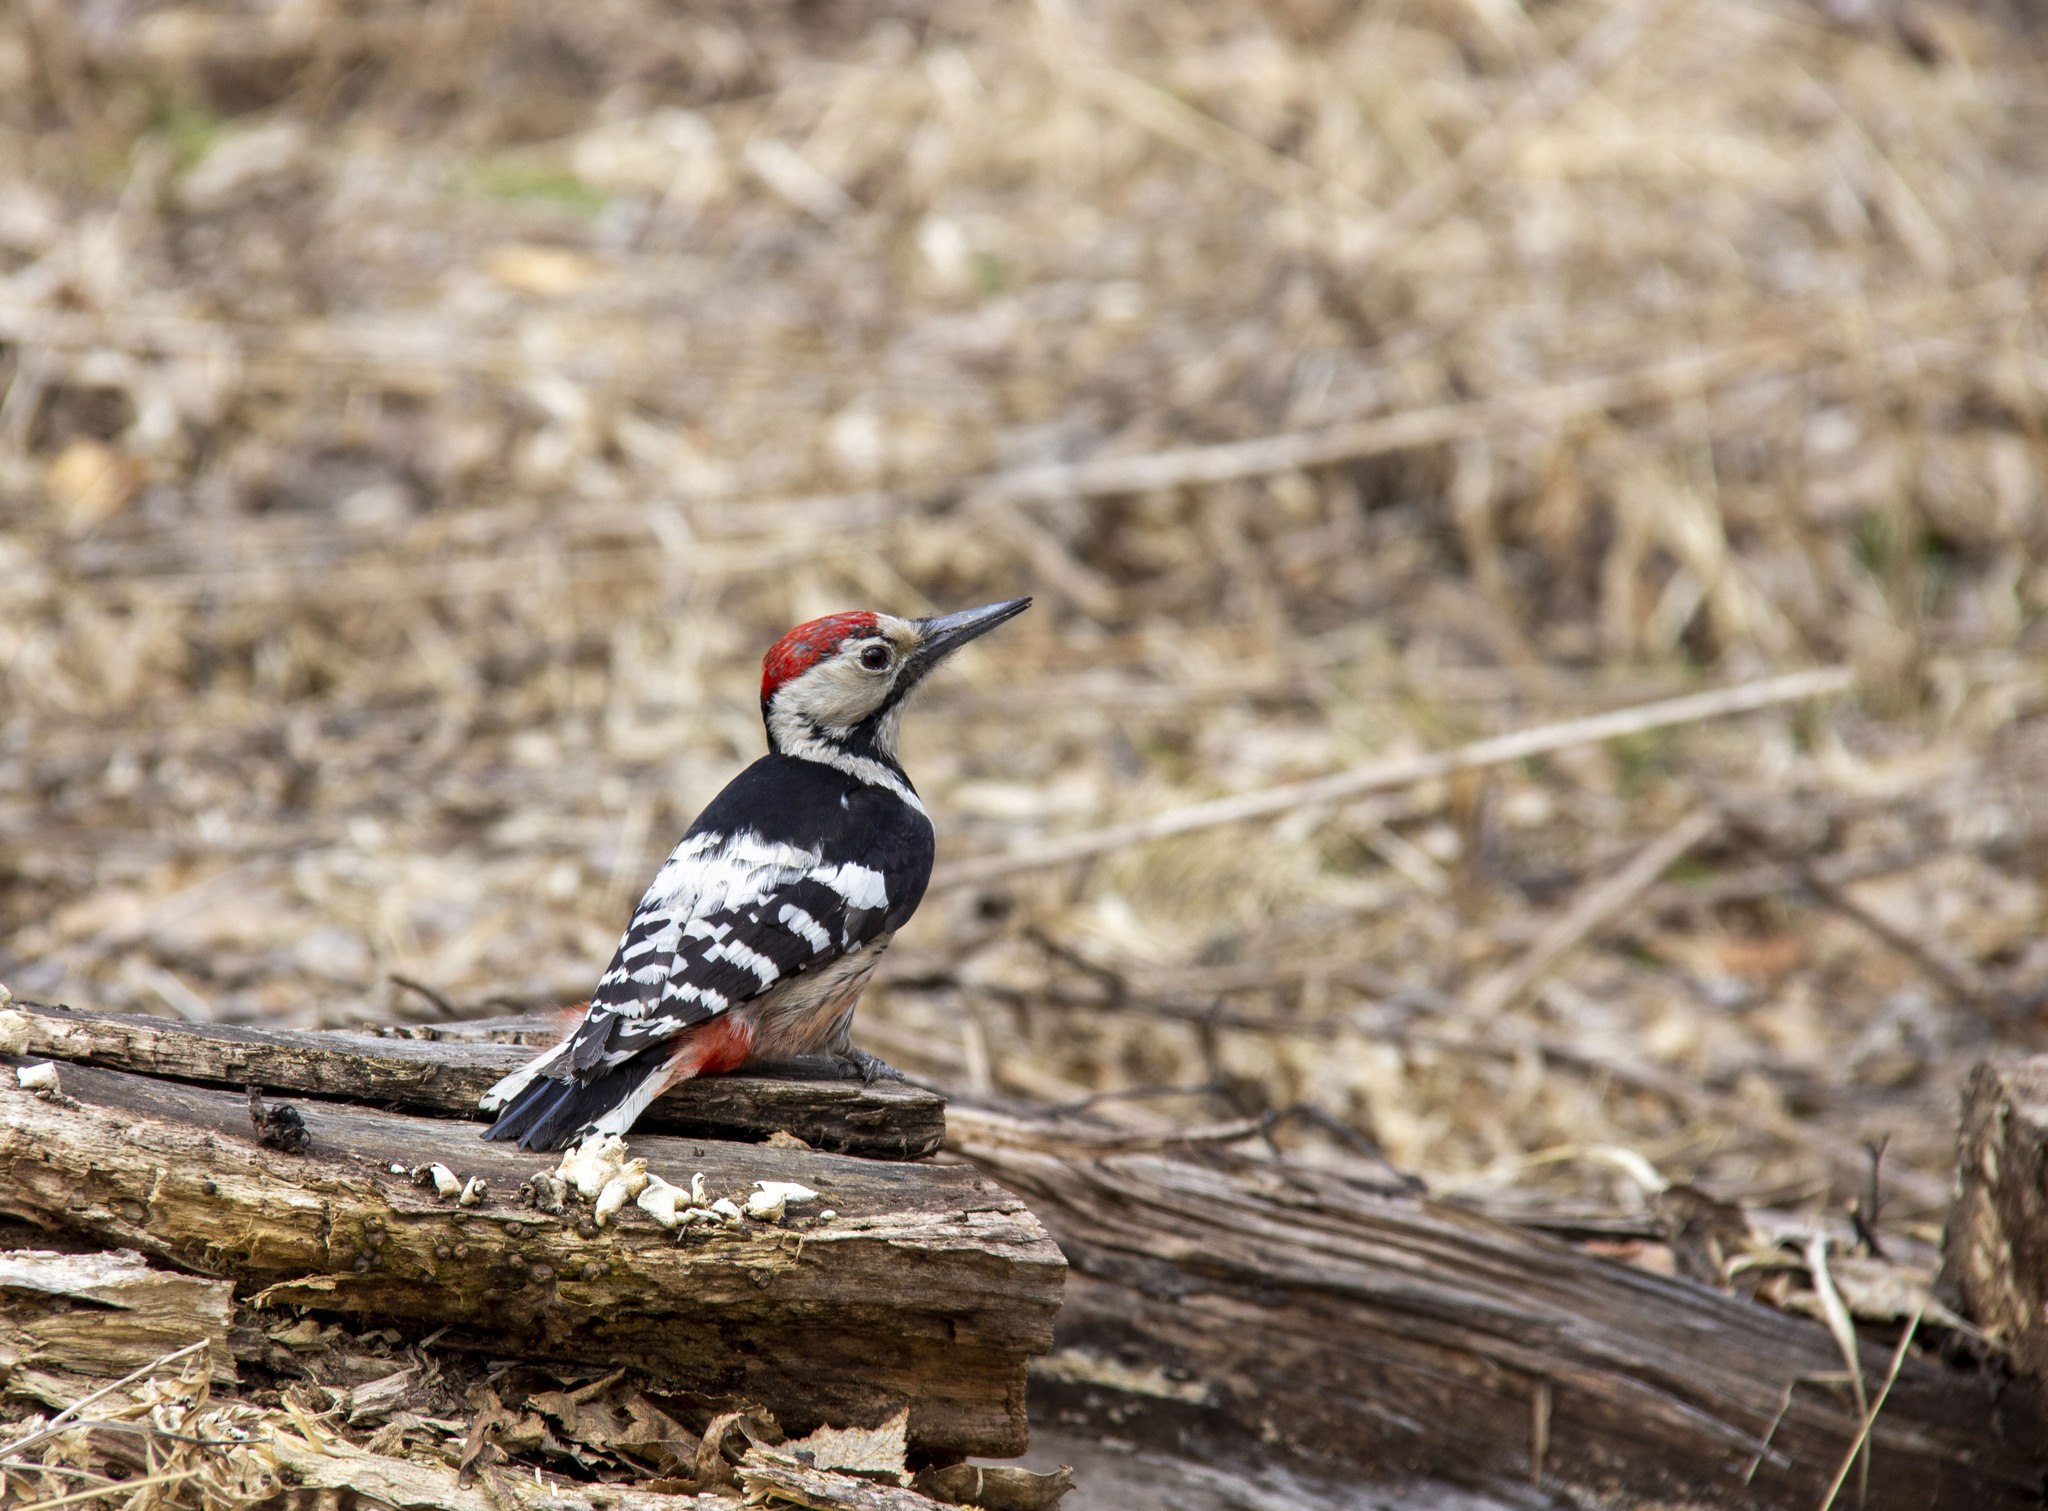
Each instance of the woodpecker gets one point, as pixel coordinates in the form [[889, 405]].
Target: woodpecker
[[755, 938]]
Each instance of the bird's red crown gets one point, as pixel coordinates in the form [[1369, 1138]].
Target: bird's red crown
[[808, 644]]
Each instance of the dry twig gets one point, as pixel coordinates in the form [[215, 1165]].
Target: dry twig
[[1592, 911], [1401, 771]]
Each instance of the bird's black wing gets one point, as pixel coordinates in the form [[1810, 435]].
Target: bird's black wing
[[788, 870]]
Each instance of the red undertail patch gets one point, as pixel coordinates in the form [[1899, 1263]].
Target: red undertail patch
[[712, 1048]]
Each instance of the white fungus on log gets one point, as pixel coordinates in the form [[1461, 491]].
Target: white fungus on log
[[592, 1164], [665, 1203], [771, 1197], [619, 1190]]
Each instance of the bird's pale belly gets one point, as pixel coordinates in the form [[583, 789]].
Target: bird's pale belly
[[812, 1014]]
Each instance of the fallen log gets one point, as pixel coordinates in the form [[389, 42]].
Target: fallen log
[[918, 1286], [883, 1120], [1995, 1247], [103, 1314], [1230, 1310]]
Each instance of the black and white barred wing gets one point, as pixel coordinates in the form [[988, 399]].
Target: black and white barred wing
[[726, 919]]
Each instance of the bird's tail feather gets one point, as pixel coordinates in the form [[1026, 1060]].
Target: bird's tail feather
[[511, 1086], [546, 1113]]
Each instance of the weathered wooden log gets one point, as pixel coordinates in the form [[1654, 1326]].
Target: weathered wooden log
[[1225, 1309], [103, 1314], [882, 1120], [1995, 1248], [919, 1286]]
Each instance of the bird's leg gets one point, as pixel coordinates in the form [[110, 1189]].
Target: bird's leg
[[814, 1067], [870, 1068]]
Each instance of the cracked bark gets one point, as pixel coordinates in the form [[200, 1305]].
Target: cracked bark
[[883, 1120], [929, 1288], [1224, 1309]]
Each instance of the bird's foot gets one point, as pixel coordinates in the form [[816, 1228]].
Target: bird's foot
[[819, 1067], [870, 1068]]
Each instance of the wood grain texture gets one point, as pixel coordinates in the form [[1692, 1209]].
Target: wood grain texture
[[929, 1288], [1995, 1248], [1223, 1308], [885, 1120], [105, 1314]]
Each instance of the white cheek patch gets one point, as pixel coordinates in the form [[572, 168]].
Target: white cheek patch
[[838, 693]]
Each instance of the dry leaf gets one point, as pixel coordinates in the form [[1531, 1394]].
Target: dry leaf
[[1771, 955], [548, 272], [859, 1450], [91, 482], [1878, 1290], [610, 1417]]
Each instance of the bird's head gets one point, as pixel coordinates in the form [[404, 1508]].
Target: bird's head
[[841, 681]]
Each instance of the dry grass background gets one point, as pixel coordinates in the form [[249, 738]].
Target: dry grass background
[[417, 420]]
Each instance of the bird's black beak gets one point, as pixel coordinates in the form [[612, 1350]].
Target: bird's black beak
[[943, 634]]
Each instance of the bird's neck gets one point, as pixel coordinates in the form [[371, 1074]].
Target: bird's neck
[[865, 751]]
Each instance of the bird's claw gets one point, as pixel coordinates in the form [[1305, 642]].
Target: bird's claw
[[870, 1068]]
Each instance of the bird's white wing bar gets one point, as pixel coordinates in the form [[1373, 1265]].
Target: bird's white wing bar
[[727, 919], [861, 886], [799, 922]]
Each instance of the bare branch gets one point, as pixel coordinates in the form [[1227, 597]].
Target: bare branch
[[1402, 771]]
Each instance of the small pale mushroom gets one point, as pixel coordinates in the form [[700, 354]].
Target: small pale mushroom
[[473, 1192], [773, 1196], [545, 1192], [592, 1164], [726, 1209], [41, 1077], [763, 1206], [619, 1190], [445, 1180], [664, 1203]]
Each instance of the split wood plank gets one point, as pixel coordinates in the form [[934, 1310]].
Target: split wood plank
[[882, 1120], [928, 1288], [104, 1314], [1245, 1312]]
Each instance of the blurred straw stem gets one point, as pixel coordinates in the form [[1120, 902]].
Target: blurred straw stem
[[1230, 461], [1597, 907], [1603, 48], [1402, 771], [1818, 344]]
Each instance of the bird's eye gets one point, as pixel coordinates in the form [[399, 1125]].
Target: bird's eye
[[875, 658]]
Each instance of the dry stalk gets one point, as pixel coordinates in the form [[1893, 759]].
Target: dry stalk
[[1593, 910], [1404, 771], [1859, 1448]]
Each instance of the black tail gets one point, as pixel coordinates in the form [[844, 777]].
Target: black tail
[[552, 1114]]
